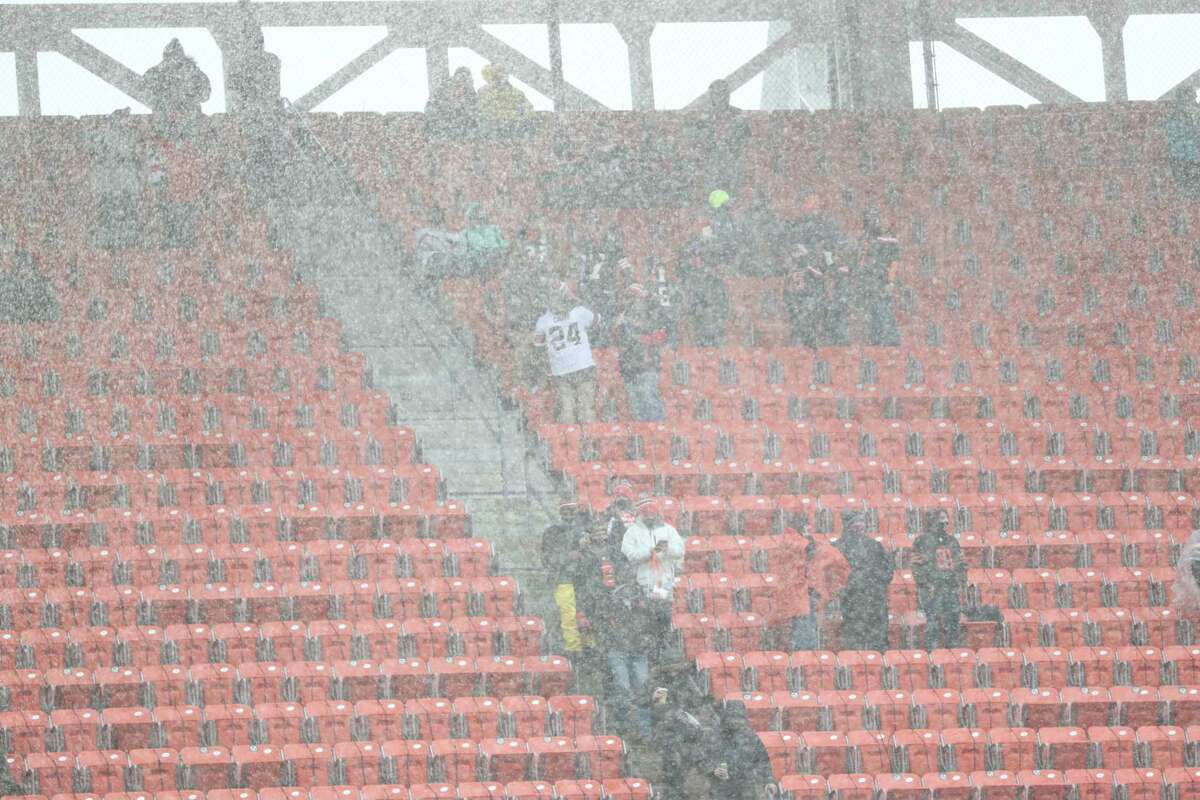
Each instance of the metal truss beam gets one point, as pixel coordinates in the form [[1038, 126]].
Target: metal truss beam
[[765, 58], [1010, 69], [528, 71], [103, 66], [340, 79]]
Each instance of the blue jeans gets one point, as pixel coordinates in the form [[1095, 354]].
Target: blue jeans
[[630, 674], [644, 398], [805, 633]]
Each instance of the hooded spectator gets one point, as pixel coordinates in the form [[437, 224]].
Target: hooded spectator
[[453, 108], [640, 336], [502, 106], [941, 576], [817, 572], [618, 516], [177, 88], [744, 770], [865, 598], [654, 549]]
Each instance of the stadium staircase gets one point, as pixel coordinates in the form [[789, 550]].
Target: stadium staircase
[[419, 353]]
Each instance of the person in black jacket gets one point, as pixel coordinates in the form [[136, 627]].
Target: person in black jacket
[[744, 771], [865, 598], [684, 736], [561, 544], [705, 299], [940, 574], [640, 335]]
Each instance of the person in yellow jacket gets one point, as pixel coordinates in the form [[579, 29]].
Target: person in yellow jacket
[[561, 550], [501, 104]]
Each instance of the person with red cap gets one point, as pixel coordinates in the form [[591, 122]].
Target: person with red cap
[[640, 335], [654, 549], [817, 573]]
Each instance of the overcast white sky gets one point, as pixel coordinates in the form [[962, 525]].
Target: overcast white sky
[[1160, 51]]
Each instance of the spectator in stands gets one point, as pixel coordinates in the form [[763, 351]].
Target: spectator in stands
[[640, 335], [25, 294], [818, 573], [619, 515], [1186, 593], [1183, 141], [718, 136], [820, 247], [253, 87], [654, 549], [503, 107], [437, 250], [177, 88], [706, 301], [483, 243], [603, 274], [806, 300], [620, 618], [876, 283], [116, 182], [941, 576], [685, 734], [561, 552], [865, 598], [743, 771], [453, 108], [564, 334]]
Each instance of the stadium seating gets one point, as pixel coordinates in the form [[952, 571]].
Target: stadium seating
[[1043, 396], [225, 568]]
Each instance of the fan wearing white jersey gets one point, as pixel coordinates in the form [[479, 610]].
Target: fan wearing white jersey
[[572, 368]]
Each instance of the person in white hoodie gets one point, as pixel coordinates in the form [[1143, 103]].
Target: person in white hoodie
[[654, 549]]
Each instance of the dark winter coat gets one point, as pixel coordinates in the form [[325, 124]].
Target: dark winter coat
[[938, 566]]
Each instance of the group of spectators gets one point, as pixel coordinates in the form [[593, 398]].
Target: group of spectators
[[616, 577], [456, 110], [837, 291]]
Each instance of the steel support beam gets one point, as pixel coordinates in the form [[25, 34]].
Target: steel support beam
[[1010, 69], [526, 70], [557, 82], [29, 100], [1110, 26], [103, 66], [765, 58], [437, 66], [340, 79], [641, 64]]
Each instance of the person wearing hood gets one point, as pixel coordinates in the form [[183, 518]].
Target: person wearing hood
[[254, 75], [617, 517], [744, 769], [940, 573], [817, 572], [865, 598], [502, 106], [654, 549], [177, 88]]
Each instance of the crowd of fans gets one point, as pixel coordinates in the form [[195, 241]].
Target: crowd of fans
[[616, 574]]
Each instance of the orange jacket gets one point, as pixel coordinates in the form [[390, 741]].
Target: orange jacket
[[804, 568]]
